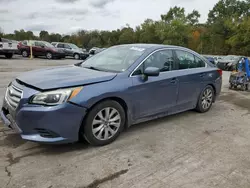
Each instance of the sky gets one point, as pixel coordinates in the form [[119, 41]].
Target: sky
[[67, 16]]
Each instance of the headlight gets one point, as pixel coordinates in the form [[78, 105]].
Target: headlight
[[55, 97]]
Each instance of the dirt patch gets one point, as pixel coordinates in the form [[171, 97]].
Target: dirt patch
[[110, 177], [12, 140], [234, 98]]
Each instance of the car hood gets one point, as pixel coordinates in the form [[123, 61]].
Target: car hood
[[63, 77]]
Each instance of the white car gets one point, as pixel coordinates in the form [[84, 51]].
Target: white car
[[8, 48]]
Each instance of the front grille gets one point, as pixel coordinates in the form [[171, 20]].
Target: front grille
[[13, 96]]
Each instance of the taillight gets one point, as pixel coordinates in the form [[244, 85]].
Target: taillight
[[219, 71]]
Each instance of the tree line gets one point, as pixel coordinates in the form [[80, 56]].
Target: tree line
[[227, 31]]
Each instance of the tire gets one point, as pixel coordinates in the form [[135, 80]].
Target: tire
[[49, 55], [76, 56], [25, 53], [205, 100], [8, 56], [243, 87], [95, 133]]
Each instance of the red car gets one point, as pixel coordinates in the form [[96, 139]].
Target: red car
[[40, 48]]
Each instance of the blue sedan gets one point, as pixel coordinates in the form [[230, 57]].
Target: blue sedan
[[118, 87]]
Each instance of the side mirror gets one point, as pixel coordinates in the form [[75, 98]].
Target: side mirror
[[152, 71], [43, 46]]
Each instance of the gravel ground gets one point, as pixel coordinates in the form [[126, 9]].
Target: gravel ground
[[187, 150]]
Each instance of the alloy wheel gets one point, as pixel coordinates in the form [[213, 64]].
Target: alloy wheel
[[77, 56], [207, 99], [106, 123], [49, 55], [24, 54]]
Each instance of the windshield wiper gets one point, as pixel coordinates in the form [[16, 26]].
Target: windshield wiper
[[93, 68]]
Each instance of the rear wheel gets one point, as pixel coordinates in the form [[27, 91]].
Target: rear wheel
[[49, 55], [104, 123], [25, 53], [8, 56], [205, 100], [243, 87]]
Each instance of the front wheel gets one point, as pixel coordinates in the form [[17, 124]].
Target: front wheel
[[205, 100], [104, 123], [77, 56], [49, 55]]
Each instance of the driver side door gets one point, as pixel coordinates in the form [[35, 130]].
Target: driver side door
[[155, 95]]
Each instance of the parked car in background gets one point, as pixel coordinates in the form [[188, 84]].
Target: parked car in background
[[217, 59], [95, 50], [8, 48], [40, 48], [97, 99], [210, 58], [71, 50], [229, 63]]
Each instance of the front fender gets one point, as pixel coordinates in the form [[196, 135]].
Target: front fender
[[93, 93]]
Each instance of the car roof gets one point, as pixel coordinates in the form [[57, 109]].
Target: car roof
[[153, 46], [61, 43]]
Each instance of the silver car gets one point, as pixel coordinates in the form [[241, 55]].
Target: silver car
[[71, 50]]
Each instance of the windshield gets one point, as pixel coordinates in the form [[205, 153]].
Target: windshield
[[74, 46], [114, 59], [48, 45]]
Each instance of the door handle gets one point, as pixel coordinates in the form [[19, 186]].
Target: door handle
[[173, 81]]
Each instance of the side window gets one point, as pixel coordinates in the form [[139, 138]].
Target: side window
[[39, 44], [199, 62], [59, 45], [185, 60], [163, 60], [66, 46]]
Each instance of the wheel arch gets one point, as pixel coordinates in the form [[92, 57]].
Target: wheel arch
[[214, 88], [118, 100]]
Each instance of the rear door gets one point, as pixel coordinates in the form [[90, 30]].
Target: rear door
[[155, 94], [68, 50], [61, 46], [191, 73]]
